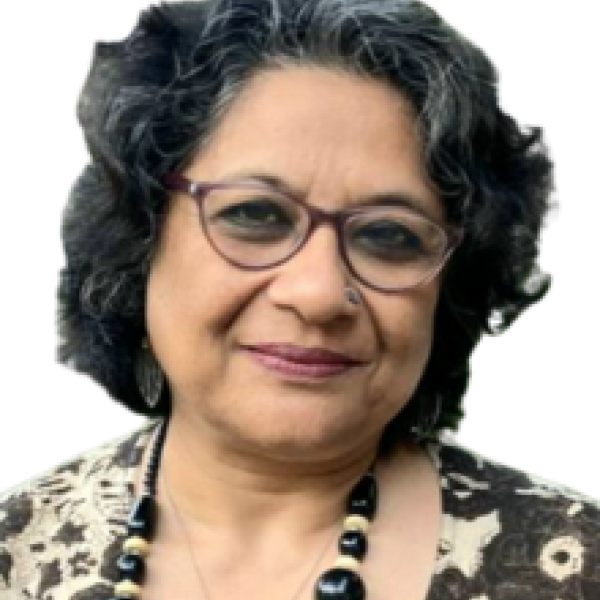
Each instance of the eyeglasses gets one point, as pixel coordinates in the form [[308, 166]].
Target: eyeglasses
[[252, 225]]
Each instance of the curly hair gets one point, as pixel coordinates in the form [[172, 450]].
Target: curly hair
[[153, 100]]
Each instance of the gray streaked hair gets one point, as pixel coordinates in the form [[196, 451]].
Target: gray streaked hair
[[152, 101]]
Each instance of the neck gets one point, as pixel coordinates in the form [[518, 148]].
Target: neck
[[222, 487]]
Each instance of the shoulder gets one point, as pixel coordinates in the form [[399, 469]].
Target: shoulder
[[56, 524], [504, 528], [464, 472]]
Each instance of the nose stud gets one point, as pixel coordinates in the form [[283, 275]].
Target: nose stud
[[352, 295]]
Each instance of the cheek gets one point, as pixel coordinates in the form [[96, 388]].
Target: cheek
[[411, 329], [413, 346], [193, 300], [406, 336]]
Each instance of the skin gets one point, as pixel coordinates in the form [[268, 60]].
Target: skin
[[251, 454]]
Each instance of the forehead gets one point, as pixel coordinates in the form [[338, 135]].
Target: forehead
[[327, 134]]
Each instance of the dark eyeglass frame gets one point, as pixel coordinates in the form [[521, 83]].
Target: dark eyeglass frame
[[199, 190]]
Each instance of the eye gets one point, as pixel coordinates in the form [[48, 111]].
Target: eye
[[254, 212], [390, 233]]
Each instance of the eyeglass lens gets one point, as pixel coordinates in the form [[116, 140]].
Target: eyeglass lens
[[387, 246]]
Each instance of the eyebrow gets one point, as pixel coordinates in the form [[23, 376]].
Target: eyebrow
[[389, 198]]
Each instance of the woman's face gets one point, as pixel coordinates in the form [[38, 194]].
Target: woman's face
[[338, 139]]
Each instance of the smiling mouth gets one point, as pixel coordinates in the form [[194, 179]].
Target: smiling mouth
[[294, 368]]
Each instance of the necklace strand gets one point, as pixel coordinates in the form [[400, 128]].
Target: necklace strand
[[342, 582], [201, 581]]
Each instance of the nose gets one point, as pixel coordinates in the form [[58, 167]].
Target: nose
[[312, 283]]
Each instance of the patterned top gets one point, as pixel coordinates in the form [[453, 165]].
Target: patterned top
[[506, 535]]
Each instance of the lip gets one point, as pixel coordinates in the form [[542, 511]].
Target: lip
[[301, 354], [303, 362]]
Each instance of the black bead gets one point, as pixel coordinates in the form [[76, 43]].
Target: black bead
[[363, 498], [142, 519], [353, 543], [340, 584], [131, 567]]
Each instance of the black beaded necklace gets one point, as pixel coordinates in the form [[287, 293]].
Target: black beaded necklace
[[342, 582]]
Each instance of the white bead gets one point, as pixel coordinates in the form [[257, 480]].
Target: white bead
[[128, 589], [356, 522], [137, 545], [347, 562]]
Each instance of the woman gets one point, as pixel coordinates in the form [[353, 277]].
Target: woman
[[298, 220]]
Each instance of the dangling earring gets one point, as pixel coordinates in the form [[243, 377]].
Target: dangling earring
[[425, 422], [148, 375]]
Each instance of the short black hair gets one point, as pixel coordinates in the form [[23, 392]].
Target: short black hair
[[152, 101]]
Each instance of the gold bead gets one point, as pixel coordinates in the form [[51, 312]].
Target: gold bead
[[356, 522], [347, 562], [128, 589], [136, 545]]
